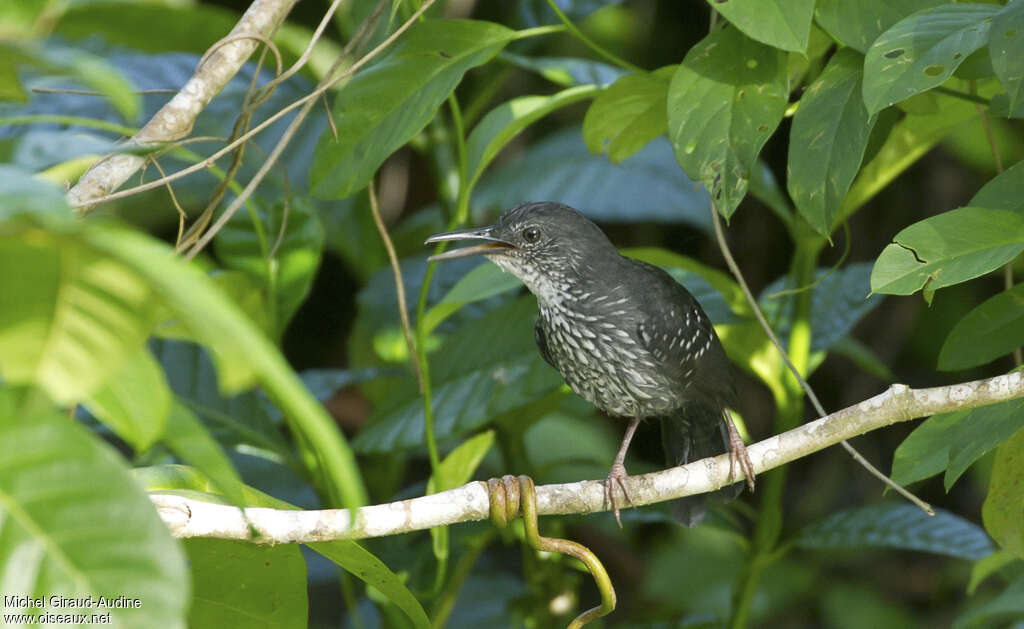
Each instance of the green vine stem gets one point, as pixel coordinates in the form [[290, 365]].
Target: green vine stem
[[591, 44]]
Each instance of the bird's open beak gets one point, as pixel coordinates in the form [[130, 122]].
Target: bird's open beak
[[490, 243]]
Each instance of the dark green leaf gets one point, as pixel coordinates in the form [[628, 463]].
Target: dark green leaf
[[993, 329], [134, 401], [784, 24], [898, 525], [987, 566], [925, 452], [280, 248], [1000, 107], [1003, 192], [864, 357], [724, 102], [645, 187], [75, 523], [858, 24], [830, 134], [1002, 611], [503, 123], [1003, 511], [384, 106], [567, 71], [238, 584], [458, 467], [1006, 48], [628, 115], [190, 441], [484, 281], [922, 51], [849, 606], [947, 249]]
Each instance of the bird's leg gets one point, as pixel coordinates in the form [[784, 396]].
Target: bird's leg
[[738, 453], [618, 472]]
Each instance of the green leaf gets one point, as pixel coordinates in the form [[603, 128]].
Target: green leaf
[[827, 143], [986, 567], [503, 123], [238, 584], [858, 24], [1006, 48], [947, 249], [1004, 191], [951, 442], [476, 376], [864, 357], [134, 401], [922, 51], [384, 106], [628, 115], [458, 467], [23, 193], [75, 524], [898, 525], [280, 248], [724, 102], [567, 71], [784, 24], [484, 281], [993, 329], [191, 442], [1002, 611], [1003, 511]]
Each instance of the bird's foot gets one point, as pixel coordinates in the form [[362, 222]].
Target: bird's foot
[[738, 456], [616, 476]]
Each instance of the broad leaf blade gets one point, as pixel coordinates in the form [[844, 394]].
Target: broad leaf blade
[[993, 329], [1006, 48], [134, 401], [858, 24], [724, 102], [1004, 191], [1003, 511], [784, 24], [922, 51], [830, 134], [192, 443], [75, 523], [628, 115]]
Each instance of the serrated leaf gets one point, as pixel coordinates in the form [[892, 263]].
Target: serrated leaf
[[827, 143], [947, 249], [724, 102], [858, 24], [239, 584], [134, 401], [898, 525], [1003, 511], [645, 187], [75, 523], [784, 24], [280, 248], [503, 123], [1006, 48], [628, 115], [993, 329], [921, 51], [384, 106]]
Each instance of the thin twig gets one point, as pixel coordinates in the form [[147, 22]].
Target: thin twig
[[396, 269], [731, 262], [182, 215]]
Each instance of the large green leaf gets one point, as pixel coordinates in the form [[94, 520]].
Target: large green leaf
[[1003, 192], [947, 249], [567, 71], [922, 51], [724, 102], [76, 525], [279, 247], [898, 525], [503, 123], [827, 143], [993, 329], [628, 115], [1003, 511], [191, 442], [22, 193], [484, 281], [784, 24], [1006, 47], [384, 106], [476, 376], [238, 584], [952, 442], [858, 24], [134, 401]]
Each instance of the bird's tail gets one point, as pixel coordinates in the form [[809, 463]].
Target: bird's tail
[[694, 432]]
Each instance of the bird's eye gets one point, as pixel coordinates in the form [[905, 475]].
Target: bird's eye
[[531, 234]]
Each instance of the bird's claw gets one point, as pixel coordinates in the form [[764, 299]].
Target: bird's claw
[[738, 456], [616, 476]]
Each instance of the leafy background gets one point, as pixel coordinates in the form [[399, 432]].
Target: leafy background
[[859, 150]]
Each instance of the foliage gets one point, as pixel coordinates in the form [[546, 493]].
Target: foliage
[[242, 376]]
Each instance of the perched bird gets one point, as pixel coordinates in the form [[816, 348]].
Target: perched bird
[[624, 335]]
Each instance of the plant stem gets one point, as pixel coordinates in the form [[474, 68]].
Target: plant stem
[[591, 44]]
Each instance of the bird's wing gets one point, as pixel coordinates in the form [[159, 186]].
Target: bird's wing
[[542, 343]]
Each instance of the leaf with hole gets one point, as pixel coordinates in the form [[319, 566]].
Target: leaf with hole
[[922, 51], [628, 115], [784, 24], [1006, 48], [724, 102]]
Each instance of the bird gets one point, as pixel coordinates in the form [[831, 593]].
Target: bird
[[624, 335]]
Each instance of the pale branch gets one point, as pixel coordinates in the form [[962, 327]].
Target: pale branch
[[187, 517], [175, 119]]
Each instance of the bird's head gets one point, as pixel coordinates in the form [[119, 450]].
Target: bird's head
[[547, 245]]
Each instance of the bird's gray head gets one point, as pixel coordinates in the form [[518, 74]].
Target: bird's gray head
[[549, 246]]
